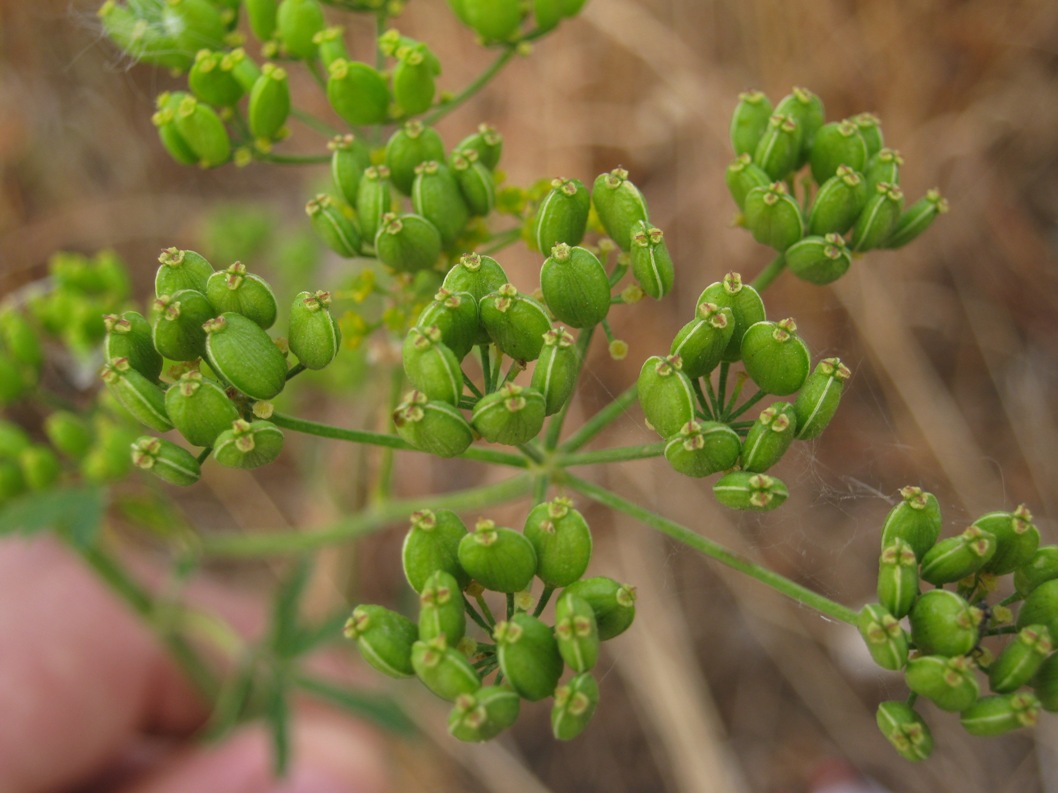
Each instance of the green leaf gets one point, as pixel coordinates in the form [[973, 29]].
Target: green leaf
[[73, 511], [277, 714], [285, 628], [379, 708]]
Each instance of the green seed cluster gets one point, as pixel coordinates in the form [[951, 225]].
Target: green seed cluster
[[851, 200], [213, 326], [949, 638], [701, 422], [521, 657]]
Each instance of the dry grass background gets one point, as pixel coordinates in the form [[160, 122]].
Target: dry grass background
[[721, 686]]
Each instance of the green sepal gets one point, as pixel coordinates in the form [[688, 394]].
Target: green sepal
[[905, 730], [357, 92], [1000, 714], [241, 352], [269, 105], [665, 394], [384, 638], [773, 217], [779, 149], [885, 638], [169, 462], [455, 315], [897, 578], [769, 437], [313, 334], [483, 714], [180, 270], [349, 159], [143, 400], [242, 292], [947, 682], [749, 491], [915, 219], [431, 366], [1021, 659], [652, 265], [746, 306], [838, 203], [575, 703], [883, 166], [942, 623], [374, 200], [476, 183], [1017, 539], [66, 431], [576, 632], [432, 544], [1041, 567], [203, 131], [441, 611], [563, 215], [334, 224], [575, 286], [435, 195], [741, 176], [916, 520], [807, 110], [775, 357], [528, 656], [837, 143], [261, 14], [878, 218], [562, 541], [248, 444], [178, 332], [1041, 608], [555, 374], [129, 336], [619, 205], [432, 426], [297, 22], [498, 558], [515, 322], [957, 557], [413, 80], [748, 121], [487, 142], [512, 415], [407, 147], [212, 81], [199, 408], [613, 603], [40, 466], [444, 670], [818, 399], [493, 20], [480, 275], [701, 448], [408, 243]]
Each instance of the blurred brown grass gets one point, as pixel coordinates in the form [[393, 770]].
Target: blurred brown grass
[[722, 686]]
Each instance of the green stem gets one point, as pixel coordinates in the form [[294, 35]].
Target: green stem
[[312, 122], [485, 351], [706, 403], [388, 441], [721, 386], [484, 606], [482, 80], [292, 159], [769, 273], [510, 605], [295, 370], [204, 455], [501, 240], [600, 420], [372, 519], [545, 596], [472, 612], [554, 427], [753, 400], [472, 386], [540, 486], [714, 550], [617, 455], [187, 658]]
